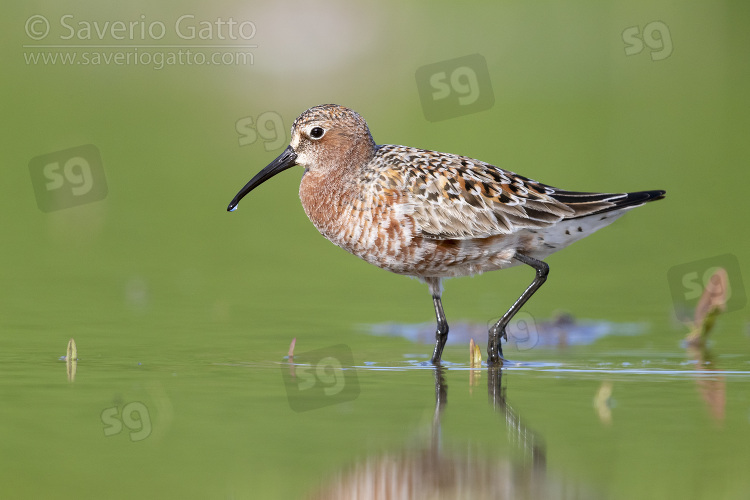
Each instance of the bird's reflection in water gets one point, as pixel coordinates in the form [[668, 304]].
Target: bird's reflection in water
[[430, 472]]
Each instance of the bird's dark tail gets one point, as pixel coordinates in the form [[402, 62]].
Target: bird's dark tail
[[586, 204]]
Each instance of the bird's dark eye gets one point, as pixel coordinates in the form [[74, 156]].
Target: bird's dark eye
[[317, 132]]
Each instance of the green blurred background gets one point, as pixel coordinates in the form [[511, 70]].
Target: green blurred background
[[178, 304]]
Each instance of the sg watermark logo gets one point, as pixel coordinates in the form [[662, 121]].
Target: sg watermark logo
[[522, 332], [134, 416], [688, 282], [655, 36], [324, 378], [68, 178], [268, 126], [455, 87]]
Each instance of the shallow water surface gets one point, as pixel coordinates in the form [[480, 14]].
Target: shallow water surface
[[372, 415]]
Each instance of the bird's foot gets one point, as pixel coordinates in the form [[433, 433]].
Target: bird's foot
[[496, 360], [494, 347]]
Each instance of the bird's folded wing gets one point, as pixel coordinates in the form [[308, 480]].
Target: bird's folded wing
[[455, 197]]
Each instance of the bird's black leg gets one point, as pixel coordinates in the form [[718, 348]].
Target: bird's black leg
[[494, 349], [441, 334]]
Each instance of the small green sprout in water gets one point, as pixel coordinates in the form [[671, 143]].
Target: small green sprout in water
[[71, 360], [712, 303], [291, 348], [475, 355], [72, 353]]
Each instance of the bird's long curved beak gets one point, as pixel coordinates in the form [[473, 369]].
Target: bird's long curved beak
[[286, 160]]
